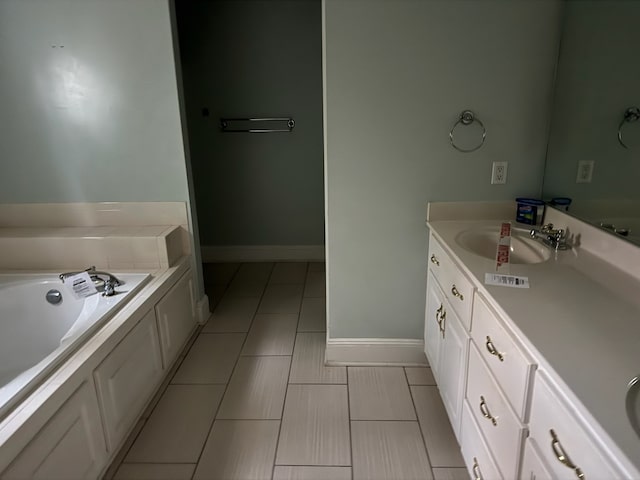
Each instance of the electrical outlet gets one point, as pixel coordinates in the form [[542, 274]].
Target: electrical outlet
[[499, 173], [585, 171]]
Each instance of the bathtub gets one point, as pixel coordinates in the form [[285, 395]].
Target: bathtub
[[36, 336]]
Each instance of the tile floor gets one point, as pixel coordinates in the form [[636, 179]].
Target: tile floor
[[252, 398]]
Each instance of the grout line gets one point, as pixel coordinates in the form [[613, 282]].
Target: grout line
[[233, 370], [349, 419], [424, 442]]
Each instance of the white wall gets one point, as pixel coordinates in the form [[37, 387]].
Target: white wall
[[397, 76], [253, 59], [89, 102]]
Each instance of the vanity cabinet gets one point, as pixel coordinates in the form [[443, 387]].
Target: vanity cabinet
[[127, 378], [446, 338], [69, 445], [561, 441]]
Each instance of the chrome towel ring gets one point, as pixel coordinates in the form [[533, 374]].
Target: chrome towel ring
[[467, 117], [631, 114]]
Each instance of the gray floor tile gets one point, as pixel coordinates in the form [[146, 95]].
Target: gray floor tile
[[215, 294], [317, 267], [281, 299], [313, 315], [271, 334], [257, 389], [288, 273], [219, 273], [245, 288], [450, 474], [441, 442], [211, 359], [379, 393], [178, 427], [155, 471], [311, 473], [233, 314], [315, 286], [315, 426], [420, 376], [389, 450], [307, 365], [239, 450], [254, 272]]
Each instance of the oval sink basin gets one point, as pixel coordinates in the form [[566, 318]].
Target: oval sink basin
[[484, 242]]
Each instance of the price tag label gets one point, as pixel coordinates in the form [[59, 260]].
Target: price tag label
[[81, 285], [512, 281]]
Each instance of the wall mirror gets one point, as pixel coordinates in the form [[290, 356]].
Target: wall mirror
[[597, 81]]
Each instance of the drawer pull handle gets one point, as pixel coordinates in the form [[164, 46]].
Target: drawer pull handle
[[456, 293], [476, 470], [439, 312], [435, 260], [562, 456], [485, 412], [493, 350], [443, 322]]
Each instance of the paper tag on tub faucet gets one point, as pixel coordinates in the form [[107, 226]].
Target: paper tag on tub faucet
[[81, 285]]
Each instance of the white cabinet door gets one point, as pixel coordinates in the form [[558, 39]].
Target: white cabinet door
[[533, 467], [70, 445], [176, 318], [432, 322], [127, 378], [446, 346], [453, 365]]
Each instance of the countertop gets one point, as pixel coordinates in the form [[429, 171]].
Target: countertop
[[580, 318]]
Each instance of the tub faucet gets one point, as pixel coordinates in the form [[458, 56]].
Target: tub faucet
[[555, 238], [105, 282]]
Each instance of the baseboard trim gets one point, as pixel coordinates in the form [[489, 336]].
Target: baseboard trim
[[202, 310], [262, 253], [375, 352]]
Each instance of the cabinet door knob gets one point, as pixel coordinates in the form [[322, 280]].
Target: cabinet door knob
[[476, 470], [435, 260], [485, 412], [562, 456], [456, 293], [493, 350]]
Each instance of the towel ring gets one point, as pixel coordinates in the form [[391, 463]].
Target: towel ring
[[631, 114], [467, 117]]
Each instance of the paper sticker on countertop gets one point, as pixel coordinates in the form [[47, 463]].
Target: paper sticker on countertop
[[81, 285], [513, 281]]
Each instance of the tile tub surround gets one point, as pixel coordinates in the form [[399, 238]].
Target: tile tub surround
[[310, 435], [578, 304]]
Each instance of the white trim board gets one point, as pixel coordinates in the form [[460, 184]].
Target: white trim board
[[202, 310], [262, 253], [375, 352]]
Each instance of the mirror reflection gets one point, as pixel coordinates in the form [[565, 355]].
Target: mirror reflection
[[593, 154]]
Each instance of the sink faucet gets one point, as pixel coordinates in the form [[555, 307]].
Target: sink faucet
[[109, 281], [555, 238]]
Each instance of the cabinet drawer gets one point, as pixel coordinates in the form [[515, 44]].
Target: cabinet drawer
[[475, 453], [509, 364], [456, 286], [533, 467], [499, 425], [555, 432], [127, 378]]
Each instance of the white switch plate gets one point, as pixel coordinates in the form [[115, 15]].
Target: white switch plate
[[585, 171], [499, 173]]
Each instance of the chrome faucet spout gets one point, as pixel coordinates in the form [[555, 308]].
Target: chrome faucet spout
[[555, 238], [104, 281]]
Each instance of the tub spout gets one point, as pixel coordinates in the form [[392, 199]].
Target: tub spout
[[104, 281]]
